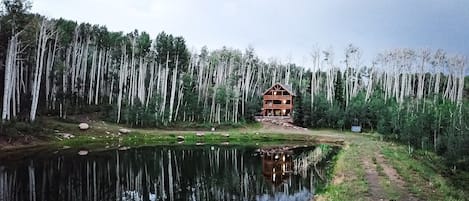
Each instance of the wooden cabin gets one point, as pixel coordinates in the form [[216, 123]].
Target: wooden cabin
[[278, 101]]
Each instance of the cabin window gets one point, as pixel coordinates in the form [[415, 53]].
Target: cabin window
[[277, 102]]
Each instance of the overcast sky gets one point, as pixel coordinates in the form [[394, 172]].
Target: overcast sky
[[283, 28]]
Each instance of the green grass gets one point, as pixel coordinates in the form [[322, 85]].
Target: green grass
[[350, 182]]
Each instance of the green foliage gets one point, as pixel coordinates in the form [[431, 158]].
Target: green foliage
[[252, 109], [298, 110]]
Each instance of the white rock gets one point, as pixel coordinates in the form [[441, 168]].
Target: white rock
[[84, 126], [124, 148], [83, 153], [180, 138], [213, 129], [124, 131], [66, 135], [199, 134]]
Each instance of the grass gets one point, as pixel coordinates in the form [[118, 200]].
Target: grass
[[105, 134], [349, 182], [146, 139]]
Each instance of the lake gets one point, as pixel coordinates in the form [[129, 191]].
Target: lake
[[173, 173]]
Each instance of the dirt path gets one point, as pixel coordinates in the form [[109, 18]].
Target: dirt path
[[395, 179], [372, 177], [384, 182]]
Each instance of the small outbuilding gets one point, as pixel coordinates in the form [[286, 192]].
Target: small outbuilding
[[278, 100]]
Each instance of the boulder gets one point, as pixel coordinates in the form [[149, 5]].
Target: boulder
[[83, 126], [83, 152], [200, 134], [124, 131], [66, 135], [213, 129], [124, 148], [180, 138]]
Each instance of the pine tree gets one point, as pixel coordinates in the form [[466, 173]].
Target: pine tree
[[298, 110]]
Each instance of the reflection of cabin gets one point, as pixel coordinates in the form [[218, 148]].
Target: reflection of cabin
[[277, 165], [278, 100]]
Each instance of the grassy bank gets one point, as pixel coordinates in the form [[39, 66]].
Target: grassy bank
[[105, 134]]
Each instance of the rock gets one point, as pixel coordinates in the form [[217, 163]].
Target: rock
[[225, 134], [84, 126], [200, 134], [83, 152], [123, 148], [66, 135], [180, 138], [124, 131], [108, 133], [199, 143], [213, 129]]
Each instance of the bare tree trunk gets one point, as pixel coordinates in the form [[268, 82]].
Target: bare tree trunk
[[44, 35], [173, 90], [10, 63]]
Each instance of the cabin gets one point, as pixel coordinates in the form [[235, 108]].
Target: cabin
[[278, 100]]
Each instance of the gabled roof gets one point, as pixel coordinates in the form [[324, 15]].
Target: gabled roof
[[284, 86]]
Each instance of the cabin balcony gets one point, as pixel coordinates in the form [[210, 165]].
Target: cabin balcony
[[277, 97], [278, 106]]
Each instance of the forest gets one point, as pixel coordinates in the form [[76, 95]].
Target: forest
[[57, 67]]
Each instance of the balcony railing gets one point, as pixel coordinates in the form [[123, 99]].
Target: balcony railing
[[277, 97], [278, 106]]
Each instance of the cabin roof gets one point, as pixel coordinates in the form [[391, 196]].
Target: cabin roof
[[284, 86]]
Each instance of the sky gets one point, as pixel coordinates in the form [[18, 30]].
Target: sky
[[288, 30]]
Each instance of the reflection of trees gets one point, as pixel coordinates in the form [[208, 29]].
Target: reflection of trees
[[311, 159], [164, 173]]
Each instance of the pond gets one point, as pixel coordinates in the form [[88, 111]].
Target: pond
[[173, 173]]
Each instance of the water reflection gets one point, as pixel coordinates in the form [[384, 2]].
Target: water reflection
[[276, 165], [166, 173]]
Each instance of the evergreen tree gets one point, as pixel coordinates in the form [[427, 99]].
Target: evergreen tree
[[298, 110]]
